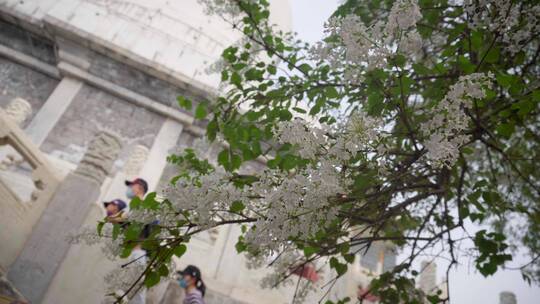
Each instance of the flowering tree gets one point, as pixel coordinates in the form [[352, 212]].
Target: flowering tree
[[406, 123]]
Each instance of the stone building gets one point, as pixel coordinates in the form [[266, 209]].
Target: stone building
[[88, 90]]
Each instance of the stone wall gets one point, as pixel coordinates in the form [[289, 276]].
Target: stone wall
[[19, 81], [26, 42], [137, 81], [93, 110]]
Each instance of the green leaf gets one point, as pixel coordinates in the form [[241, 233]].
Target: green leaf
[[271, 69], [224, 75], [237, 207], [504, 80], [100, 227], [349, 258], [340, 268], [505, 130], [163, 270], [375, 103], [115, 231], [126, 251], [299, 110], [184, 102], [466, 65], [236, 79], [200, 111], [151, 279], [150, 202], [223, 158], [400, 60], [179, 250], [305, 68], [309, 251], [476, 40], [240, 246], [331, 92], [135, 203], [211, 129], [421, 69], [524, 107], [133, 231], [493, 55]]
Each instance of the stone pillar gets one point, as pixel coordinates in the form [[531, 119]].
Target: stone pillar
[[428, 277], [90, 260], [47, 246], [55, 106], [507, 297], [165, 141]]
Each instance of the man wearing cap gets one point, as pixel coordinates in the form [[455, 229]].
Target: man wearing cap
[[115, 211], [136, 188]]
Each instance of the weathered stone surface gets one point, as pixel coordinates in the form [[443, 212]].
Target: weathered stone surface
[[100, 156], [18, 110], [47, 246], [26, 42], [170, 171], [93, 110], [50, 113], [19, 81], [136, 80], [135, 161]]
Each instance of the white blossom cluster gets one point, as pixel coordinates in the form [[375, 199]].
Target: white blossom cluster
[[366, 47], [444, 131], [308, 140], [286, 205], [361, 133], [208, 200], [88, 235], [505, 17]]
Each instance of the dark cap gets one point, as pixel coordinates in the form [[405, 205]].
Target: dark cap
[[138, 181], [118, 202], [192, 271]]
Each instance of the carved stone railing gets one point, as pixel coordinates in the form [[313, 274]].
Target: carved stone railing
[[18, 214]]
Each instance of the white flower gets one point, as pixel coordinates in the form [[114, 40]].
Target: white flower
[[297, 133], [411, 44], [403, 15], [444, 131]]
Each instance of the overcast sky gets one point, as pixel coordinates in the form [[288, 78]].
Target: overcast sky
[[467, 286]]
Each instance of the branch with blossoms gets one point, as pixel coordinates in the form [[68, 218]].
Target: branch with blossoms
[[409, 123]]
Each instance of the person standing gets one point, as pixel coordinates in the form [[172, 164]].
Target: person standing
[[191, 280], [137, 188]]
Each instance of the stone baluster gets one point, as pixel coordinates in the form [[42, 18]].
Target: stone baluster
[[135, 161], [43, 253], [18, 110]]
